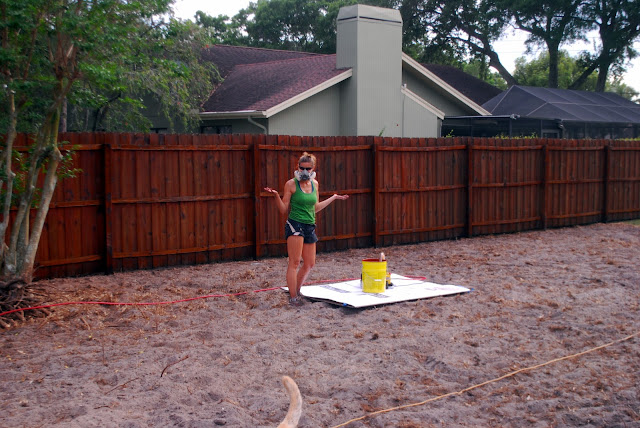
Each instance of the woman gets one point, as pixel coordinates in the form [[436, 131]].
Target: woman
[[301, 194]]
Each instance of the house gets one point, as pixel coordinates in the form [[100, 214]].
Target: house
[[369, 87], [551, 113]]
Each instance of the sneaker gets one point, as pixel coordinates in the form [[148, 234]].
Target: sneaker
[[296, 301]]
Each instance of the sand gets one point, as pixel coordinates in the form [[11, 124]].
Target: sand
[[537, 297]]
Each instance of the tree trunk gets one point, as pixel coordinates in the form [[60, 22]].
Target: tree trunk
[[20, 236], [581, 80], [29, 243], [494, 62], [63, 117], [553, 66], [5, 160], [48, 188], [603, 73], [26, 198]]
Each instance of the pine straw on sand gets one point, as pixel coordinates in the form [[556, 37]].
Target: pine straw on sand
[[15, 297], [525, 348]]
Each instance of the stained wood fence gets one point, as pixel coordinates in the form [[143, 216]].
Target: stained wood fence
[[148, 200]]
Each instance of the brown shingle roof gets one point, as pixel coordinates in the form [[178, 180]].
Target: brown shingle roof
[[265, 85], [470, 86], [225, 57]]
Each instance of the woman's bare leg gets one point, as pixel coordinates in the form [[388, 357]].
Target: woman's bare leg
[[308, 262], [294, 250]]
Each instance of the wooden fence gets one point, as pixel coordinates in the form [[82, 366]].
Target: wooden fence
[[149, 200]]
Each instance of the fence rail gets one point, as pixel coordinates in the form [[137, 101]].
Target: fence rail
[[148, 200]]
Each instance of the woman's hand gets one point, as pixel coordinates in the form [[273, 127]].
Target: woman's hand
[[282, 203], [322, 205], [270, 190]]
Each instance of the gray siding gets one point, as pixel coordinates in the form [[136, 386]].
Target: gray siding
[[433, 95], [315, 116], [419, 122]]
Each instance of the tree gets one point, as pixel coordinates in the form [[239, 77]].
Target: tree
[[618, 24], [284, 24], [535, 72], [46, 47], [464, 29], [479, 69], [550, 23], [222, 29], [617, 86], [302, 25], [164, 69]]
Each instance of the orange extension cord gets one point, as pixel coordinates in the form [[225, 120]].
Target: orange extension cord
[[171, 302], [526, 369]]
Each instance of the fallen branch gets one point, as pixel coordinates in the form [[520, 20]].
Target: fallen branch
[[172, 364]]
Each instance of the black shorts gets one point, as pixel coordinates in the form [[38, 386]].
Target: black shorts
[[295, 228]]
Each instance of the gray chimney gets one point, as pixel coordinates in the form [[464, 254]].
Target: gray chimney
[[370, 42]]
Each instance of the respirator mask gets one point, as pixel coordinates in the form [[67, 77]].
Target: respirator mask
[[304, 175]]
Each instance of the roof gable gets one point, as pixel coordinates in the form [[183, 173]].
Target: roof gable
[[565, 104], [443, 86], [263, 86], [470, 86]]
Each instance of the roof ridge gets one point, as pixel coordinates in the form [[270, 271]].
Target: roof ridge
[[266, 49], [281, 60]]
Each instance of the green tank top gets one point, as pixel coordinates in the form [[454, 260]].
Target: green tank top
[[303, 205]]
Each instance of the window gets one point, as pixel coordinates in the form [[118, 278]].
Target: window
[[215, 129]]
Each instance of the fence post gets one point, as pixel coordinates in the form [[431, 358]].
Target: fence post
[[469, 188], [376, 191], [606, 180], [256, 198], [545, 181], [108, 205]]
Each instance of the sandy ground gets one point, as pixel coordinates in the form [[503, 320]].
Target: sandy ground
[[537, 296]]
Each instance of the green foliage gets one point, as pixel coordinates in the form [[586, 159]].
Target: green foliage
[[96, 54], [301, 25], [618, 25], [455, 33], [536, 71], [135, 56], [161, 66], [616, 86], [549, 24], [570, 69], [224, 30], [480, 69], [502, 136]]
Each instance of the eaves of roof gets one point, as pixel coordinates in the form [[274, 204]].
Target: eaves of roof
[[448, 89]]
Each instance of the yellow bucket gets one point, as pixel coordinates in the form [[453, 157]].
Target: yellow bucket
[[374, 275]]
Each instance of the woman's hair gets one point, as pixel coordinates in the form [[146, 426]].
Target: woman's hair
[[307, 157]]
